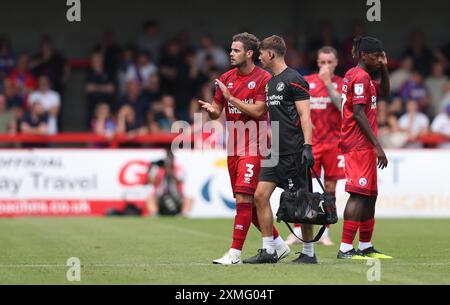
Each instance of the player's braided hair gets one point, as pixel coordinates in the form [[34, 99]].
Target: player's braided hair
[[365, 44]]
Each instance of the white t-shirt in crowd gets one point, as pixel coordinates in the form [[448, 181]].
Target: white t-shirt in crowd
[[48, 99], [441, 124], [417, 122], [144, 73]]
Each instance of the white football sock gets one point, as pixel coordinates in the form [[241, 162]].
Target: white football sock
[[279, 243], [268, 244], [308, 249], [345, 247], [326, 232], [298, 231], [364, 246], [235, 252]]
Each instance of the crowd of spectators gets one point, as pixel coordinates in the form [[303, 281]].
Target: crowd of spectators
[[145, 86], [31, 88]]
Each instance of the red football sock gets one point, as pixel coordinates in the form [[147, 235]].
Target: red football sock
[[256, 224], [349, 231], [242, 222], [366, 230]]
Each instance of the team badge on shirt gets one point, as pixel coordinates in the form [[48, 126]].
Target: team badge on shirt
[[251, 85], [363, 181], [359, 89], [280, 86]]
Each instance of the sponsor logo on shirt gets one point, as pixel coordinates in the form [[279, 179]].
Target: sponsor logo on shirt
[[233, 110], [274, 100], [274, 103], [230, 86], [319, 103]]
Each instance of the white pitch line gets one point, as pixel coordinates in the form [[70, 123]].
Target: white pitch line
[[103, 265]]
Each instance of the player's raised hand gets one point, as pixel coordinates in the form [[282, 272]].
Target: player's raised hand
[[226, 93], [381, 156], [207, 106], [325, 74]]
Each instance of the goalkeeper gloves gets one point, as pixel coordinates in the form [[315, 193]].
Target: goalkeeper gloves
[[307, 155]]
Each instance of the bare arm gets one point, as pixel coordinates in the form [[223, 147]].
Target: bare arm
[[325, 75], [334, 96], [305, 119], [385, 86], [54, 111], [255, 110], [361, 119], [39, 130], [25, 128]]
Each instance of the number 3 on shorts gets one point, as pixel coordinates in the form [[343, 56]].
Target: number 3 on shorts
[[249, 173], [250, 167]]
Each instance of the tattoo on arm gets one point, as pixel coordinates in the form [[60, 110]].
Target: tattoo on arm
[[334, 96]]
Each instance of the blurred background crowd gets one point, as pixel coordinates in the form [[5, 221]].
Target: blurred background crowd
[[144, 86]]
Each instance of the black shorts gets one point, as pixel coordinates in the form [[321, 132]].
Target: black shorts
[[289, 173]]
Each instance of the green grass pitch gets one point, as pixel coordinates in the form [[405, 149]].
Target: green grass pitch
[[180, 251]]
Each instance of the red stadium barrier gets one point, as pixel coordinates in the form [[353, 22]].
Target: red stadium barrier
[[431, 139], [89, 138]]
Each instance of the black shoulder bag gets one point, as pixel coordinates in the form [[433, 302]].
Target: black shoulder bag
[[303, 206]]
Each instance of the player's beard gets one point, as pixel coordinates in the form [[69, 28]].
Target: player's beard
[[237, 64]]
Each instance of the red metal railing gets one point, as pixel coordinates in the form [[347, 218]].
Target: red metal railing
[[88, 138], [429, 140]]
